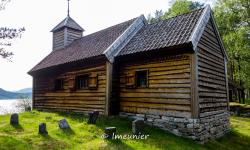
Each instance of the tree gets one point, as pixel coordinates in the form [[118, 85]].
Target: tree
[[233, 18], [178, 7], [7, 35], [157, 16]]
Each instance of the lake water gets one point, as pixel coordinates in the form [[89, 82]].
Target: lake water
[[8, 106]]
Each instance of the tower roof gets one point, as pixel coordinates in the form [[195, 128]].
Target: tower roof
[[69, 23]]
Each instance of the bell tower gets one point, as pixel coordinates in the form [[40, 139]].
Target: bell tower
[[66, 32]]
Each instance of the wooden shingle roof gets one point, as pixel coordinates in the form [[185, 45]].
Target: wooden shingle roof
[[174, 31]]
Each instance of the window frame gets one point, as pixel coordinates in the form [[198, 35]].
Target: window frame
[[61, 87], [77, 79], [136, 78]]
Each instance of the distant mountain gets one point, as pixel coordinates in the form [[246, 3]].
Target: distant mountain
[[25, 90], [13, 95]]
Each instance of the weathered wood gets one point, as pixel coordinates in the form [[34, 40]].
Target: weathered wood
[[157, 64], [66, 102], [156, 106], [213, 81], [211, 86], [208, 58], [157, 90], [155, 95], [194, 85], [212, 74], [33, 91], [225, 60], [170, 81], [70, 108], [164, 68], [211, 71], [109, 71], [168, 86], [157, 100], [58, 39], [76, 100], [207, 49]]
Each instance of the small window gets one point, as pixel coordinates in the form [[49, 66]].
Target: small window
[[82, 82], [59, 84], [142, 78]]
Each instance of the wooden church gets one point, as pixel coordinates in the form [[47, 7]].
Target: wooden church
[[171, 73]]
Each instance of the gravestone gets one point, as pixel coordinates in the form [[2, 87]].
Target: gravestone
[[14, 119], [63, 124], [137, 126], [109, 132], [93, 117], [42, 128]]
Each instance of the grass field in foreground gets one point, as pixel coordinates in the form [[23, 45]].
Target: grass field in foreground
[[85, 136]]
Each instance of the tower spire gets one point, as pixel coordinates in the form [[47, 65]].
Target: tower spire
[[68, 8]]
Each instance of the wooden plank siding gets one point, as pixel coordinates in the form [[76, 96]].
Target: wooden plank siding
[[211, 74], [84, 100], [72, 35], [58, 39], [169, 87]]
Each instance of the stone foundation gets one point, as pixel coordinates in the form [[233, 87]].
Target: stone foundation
[[201, 129]]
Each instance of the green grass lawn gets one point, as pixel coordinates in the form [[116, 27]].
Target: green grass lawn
[[85, 136]]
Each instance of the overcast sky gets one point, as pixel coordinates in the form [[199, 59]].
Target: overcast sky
[[40, 16]]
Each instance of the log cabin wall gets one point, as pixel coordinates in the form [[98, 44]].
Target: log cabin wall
[[212, 89], [70, 99], [169, 87]]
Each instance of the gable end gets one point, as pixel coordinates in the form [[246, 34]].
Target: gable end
[[200, 27]]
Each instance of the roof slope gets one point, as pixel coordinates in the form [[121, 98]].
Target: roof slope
[[174, 31], [68, 22], [88, 46]]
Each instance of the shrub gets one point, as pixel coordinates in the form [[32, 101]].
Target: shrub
[[24, 104]]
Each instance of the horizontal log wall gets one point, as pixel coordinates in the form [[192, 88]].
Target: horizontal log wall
[[45, 97], [168, 90], [211, 74]]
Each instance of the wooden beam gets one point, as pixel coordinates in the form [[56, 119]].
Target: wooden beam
[[33, 91], [194, 86], [225, 60], [109, 70]]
